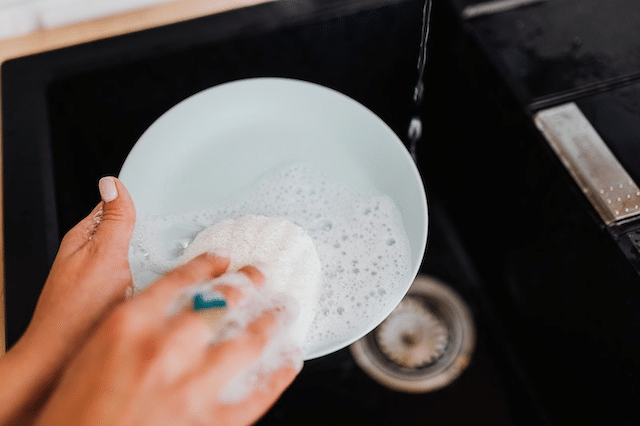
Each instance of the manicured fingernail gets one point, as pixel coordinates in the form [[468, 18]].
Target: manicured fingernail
[[108, 189]]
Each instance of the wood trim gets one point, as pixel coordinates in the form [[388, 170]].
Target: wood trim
[[137, 20]]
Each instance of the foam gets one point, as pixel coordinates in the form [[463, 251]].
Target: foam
[[358, 234], [285, 253], [282, 349]]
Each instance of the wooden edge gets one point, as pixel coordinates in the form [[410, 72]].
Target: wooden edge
[[3, 324], [110, 26], [3, 345], [45, 40]]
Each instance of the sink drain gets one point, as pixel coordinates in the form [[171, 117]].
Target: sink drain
[[424, 344]]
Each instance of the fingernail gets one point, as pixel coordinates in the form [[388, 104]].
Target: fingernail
[[108, 189], [219, 252], [260, 266]]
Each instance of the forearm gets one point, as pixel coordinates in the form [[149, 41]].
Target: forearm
[[27, 374]]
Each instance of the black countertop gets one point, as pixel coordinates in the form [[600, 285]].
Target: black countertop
[[568, 295], [551, 50]]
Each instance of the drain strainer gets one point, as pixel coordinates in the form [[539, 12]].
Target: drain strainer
[[424, 344], [412, 336]]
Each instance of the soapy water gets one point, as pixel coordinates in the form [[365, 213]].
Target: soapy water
[[358, 234]]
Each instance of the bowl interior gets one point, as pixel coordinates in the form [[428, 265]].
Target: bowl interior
[[221, 140]]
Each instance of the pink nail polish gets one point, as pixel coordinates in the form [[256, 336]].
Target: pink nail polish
[[108, 189]]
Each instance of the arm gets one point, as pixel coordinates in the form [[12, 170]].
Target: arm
[[88, 278]]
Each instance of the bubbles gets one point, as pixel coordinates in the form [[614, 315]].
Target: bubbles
[[325, 225], [286, 254], [179, 246], [357, 232], [141, 254]]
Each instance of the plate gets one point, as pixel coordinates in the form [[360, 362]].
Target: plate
[[218, 142]]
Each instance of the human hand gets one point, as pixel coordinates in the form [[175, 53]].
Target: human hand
[[90, 273], [145, 367], [89, 276]]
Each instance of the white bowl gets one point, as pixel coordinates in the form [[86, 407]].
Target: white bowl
[[219, 141]]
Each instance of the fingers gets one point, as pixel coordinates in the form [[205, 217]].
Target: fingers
[[109, 225], [234, 293], [80, 234], [185, 342], [158, 298], [228, 358], [254, 274], [261, 399], [118, 216]]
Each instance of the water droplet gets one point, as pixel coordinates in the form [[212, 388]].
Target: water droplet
[[340, 310], [391, 241], [356, 270], [180, 246], [142, 254]]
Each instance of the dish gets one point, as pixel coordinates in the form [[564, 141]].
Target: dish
[[216, 143]]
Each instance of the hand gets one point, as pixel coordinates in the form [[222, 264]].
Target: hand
[[90, 273], [143, 367], [89, 276]]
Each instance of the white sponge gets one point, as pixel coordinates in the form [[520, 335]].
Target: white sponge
[[282, 250]]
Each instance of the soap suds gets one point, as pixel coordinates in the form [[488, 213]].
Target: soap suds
[[364, 253], [285, 253]]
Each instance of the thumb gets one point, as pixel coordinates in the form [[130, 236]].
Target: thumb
[[118, 215]]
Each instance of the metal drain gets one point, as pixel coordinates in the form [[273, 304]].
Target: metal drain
[[424, 344], [412, 336]]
